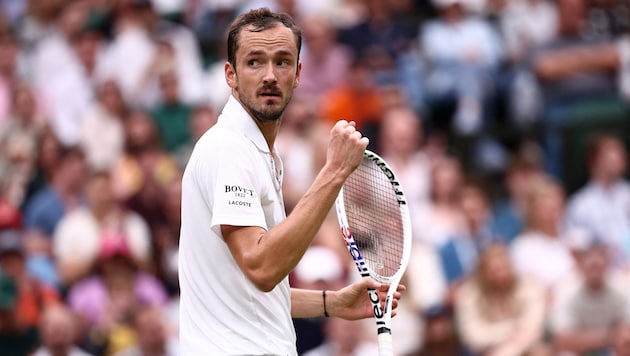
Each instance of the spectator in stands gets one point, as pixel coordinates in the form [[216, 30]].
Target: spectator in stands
[[151, 334], [463, 52], [187, 59], [59, 332], [49, 151], [49, 205], [357, 98], [426, 289], [81, 232], [442, 217], [129, 54], [401, 140], [601, 206], [378, 35], [102, 135], [144, 162], [106, 299], [15, 337], [525, 26], [202, 118], [37, 21], [298, 144], [575, 70], [441, 337], [584, 317], [9, 53], [498, 312], [171, 115], [540, 251], [63, 193], [325, 62], [459, 253], [33, 294], [133, 56], [59, 75], [344, 337], [19, 139], [509, 212], [165, 234]]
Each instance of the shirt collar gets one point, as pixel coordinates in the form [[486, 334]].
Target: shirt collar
[[611, 189], [234, 115]]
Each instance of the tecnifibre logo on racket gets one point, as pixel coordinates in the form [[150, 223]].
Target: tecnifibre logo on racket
[[395, 184], [363, 270], [354, 251]]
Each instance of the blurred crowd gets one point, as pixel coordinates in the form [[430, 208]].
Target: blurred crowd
[[507, 122]]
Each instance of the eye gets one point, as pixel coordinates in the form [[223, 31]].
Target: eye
[[283, 63], [253, 62]]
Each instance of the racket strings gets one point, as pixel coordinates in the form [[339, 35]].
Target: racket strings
[[375, 219]]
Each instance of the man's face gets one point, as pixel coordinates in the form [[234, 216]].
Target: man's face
[[594, 264], [267, 71]]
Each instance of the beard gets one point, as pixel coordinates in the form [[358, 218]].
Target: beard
[[268, 112]]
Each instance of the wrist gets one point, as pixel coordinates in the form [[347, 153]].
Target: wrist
[[324, 301], [333, 175]]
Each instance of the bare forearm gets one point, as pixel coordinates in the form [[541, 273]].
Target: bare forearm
[[291, 238], [351, 302], [307, 303], [581, 342], [558, 64]]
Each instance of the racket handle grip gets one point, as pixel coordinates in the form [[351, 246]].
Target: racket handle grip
[[385, 344]]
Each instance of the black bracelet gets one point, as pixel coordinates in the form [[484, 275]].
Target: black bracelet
[[324, 297]]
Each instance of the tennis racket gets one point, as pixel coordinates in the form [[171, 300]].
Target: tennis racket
[[374, 220]]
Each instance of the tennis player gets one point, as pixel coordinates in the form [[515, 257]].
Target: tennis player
[[237, 245]]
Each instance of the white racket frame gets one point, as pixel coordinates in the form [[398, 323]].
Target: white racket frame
[[382, 315]]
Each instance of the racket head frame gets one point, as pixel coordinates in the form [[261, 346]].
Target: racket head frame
[[382, 316]]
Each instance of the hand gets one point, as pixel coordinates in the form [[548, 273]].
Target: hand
[[352, 302], [346, 147]]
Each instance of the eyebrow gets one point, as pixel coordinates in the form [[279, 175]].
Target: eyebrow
[[259, 52]]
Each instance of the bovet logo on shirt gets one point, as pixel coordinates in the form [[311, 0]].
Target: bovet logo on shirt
[[239, 191]]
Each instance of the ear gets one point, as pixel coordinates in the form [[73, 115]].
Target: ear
[[230, 75], [296, 82]]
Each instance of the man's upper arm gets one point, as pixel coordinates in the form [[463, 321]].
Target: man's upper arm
[[233, 186]]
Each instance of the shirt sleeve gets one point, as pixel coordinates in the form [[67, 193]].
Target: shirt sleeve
[[234, 185], [560, 319]]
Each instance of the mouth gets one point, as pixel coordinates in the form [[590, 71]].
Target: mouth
[[269, 94]]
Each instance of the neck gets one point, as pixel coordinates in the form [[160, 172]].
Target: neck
[[500, 292], [595, 286], [119, 282], [59, 350], [605, 181], [100, 213], [63, 188], [550, 231], [153, 350], [269, 130]]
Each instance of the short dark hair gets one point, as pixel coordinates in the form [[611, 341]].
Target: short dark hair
[[260, 20], [71, 152]]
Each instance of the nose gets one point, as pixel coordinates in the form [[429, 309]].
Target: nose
[[270, 74]]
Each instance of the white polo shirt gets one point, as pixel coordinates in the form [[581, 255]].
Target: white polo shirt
[[231, 179]]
